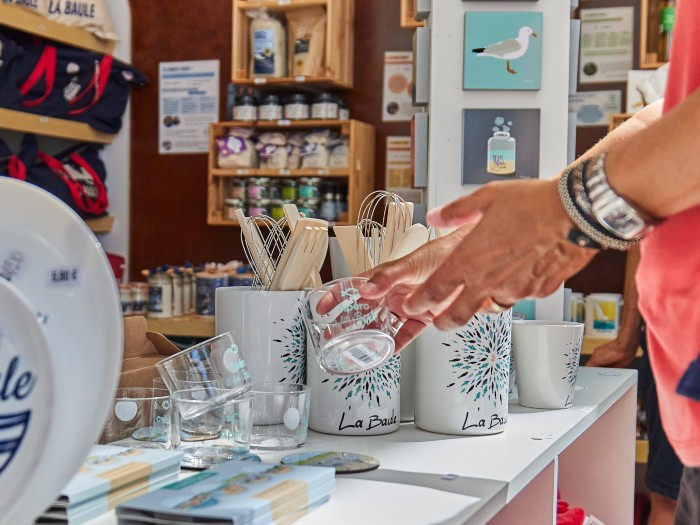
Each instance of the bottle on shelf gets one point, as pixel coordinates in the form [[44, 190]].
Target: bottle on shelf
[[667, 15]]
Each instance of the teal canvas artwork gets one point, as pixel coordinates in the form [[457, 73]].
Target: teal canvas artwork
[[503, 50]]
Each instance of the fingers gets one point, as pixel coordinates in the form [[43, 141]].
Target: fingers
[[434, 294], [409, 331], [458, 314], [467, 210]]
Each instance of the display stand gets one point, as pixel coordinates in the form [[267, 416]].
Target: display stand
[[586, 452]]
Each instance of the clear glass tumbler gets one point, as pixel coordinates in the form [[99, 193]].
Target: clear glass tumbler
[[280, 416], [139, 418]]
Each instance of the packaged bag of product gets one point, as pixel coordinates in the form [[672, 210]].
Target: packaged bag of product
[[237, 150], [315, 152], [294, 143], [340, 153], [272, 147], [268, 45], [307, 41]]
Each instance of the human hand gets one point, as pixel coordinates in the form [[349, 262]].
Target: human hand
[[618, 353], [517, 249]]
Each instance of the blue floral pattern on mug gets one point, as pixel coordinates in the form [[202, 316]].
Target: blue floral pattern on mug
[[371, 386], [481, 357], [573, 356], [294, 356]]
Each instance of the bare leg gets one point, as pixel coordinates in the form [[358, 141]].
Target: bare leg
[[662, 510], [511, 71]]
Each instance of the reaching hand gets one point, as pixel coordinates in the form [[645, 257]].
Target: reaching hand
[[517, 249], [618, 353]]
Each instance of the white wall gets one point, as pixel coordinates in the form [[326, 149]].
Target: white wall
[[118, 154], [447, 99]]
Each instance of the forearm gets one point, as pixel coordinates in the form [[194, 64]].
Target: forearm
[[631, 321], [657, 168], [637, 123]]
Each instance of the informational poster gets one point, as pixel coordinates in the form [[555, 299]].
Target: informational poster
[[188, 101], [593, 108], [398, 169], [606, 44], [398, 86]]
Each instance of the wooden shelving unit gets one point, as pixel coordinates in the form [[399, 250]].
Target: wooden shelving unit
[[50, 126], [29, 22], [183, 326], [101, 225], [339, 45], [591, 343], [359, 174], [648, 35], [408, 15], [642, 451]]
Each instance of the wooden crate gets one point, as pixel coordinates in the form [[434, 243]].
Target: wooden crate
[[359, 174], [649, 35], [338, 60], [408, 15]]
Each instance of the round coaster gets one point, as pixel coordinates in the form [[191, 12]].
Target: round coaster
[[342, 462]]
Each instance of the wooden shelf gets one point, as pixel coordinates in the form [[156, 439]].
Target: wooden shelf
[[101, 225], [275, 124], [337, 68], [184, 326], [408, 13], [648, 35], [359, 176], [29, 22], [591, 343], [616, 119], [280, 5], [50, 126], [642, 452], [303, 172], [218, 221]]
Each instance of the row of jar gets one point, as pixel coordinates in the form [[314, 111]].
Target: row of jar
[[242, 148], [176, 291], [297, 106]]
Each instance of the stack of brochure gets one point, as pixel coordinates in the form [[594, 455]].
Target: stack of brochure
[[234, 493], [109, 476]]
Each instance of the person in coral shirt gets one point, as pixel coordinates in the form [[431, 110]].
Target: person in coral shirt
[[640, 184]]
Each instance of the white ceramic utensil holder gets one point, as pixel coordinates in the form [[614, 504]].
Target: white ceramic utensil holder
[[462, 377], [366, 404], [269, 329], [408, 382]]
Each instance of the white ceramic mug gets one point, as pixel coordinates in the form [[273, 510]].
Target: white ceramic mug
[[366, 404], [603, 315], [462, 377], [547, 357], [409, 357], [269, 329]]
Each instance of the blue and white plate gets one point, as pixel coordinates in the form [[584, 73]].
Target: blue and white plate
[[50, 256], [26, 396]]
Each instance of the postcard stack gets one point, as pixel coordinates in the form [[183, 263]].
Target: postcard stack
[[111, 475], [234, 493]]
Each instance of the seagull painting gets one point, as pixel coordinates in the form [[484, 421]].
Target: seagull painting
[[509, 49]]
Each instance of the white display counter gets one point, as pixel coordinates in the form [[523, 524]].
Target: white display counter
[[587, 452]]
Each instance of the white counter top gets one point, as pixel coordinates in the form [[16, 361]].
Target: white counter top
[[409, 486]]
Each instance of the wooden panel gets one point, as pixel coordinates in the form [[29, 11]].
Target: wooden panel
[[184, 326], [29, 22]]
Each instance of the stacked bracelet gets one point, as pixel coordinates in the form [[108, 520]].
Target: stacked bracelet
[[588, 232]]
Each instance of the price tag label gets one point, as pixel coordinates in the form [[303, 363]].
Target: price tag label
[[300, 78], [284, 122], [260, 80], [65, 276], [242, 172], [284, 2], [323, 172], [285, 172]]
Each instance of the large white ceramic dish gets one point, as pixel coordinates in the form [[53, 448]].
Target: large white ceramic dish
[[50, 255], [26, 394]]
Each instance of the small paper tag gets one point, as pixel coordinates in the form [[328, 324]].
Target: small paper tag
[[260, 80], [300, 78], [242, 172], [360, 355], [323, 172], [67, 276], [285, 172], [284, 2], [284, 122]]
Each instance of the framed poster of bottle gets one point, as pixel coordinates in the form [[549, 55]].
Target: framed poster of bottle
[[500, 144]]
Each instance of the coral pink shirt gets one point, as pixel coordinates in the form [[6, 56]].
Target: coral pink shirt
[[669, 274]]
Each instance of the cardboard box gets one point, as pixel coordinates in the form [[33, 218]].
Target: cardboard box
[[142, 350]]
